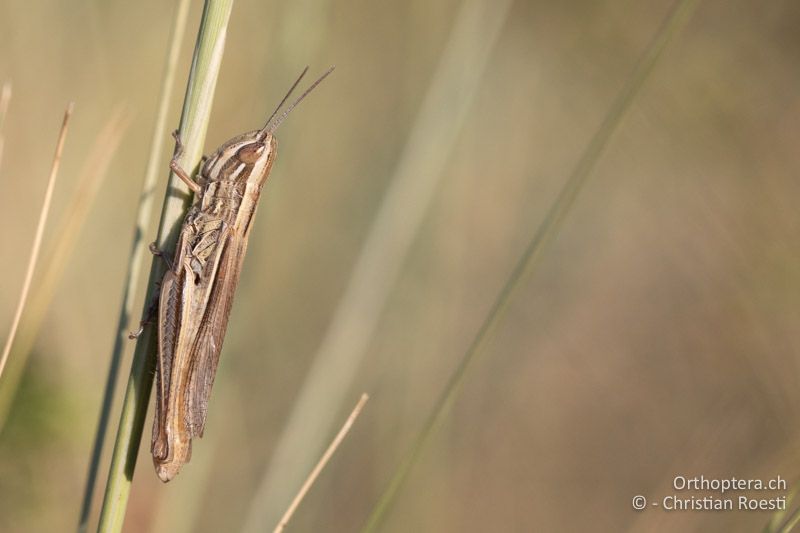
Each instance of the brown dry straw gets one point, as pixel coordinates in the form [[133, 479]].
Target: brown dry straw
[[37, 240]]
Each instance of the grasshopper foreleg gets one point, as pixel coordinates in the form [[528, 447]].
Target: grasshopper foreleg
[[176, 167], [158, 252], [152, 309]]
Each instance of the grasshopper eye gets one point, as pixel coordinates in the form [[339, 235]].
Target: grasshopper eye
[[251, 153]]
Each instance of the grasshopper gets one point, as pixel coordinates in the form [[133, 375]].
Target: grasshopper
[[197, 291]]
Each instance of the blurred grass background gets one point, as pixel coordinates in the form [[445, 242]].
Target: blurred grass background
[[658, 336]]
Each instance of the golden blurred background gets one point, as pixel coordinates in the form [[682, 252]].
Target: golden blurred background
[[657, 336]]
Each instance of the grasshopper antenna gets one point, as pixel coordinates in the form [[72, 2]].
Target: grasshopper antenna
[[288, 94], [270, 127]]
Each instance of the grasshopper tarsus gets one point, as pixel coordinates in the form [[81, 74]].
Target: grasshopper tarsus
[[178, 144], [155, 250]]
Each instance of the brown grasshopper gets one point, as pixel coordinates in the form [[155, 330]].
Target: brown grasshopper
[[197, 290]]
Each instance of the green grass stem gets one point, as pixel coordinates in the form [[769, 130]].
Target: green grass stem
[[194, 124], [133, 274]]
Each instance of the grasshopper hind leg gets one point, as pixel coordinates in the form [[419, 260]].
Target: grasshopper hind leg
[[148, 319]]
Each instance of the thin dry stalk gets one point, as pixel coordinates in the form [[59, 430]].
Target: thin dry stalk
[[37, 240], [321, 464], [5, 98], [91, 178]]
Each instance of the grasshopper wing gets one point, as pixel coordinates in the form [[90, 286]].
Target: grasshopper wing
[[208, 343]]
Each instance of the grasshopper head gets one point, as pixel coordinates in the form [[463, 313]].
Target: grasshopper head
[[248, 158]]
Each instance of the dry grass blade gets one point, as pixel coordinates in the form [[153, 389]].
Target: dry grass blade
[[92, 174], [415, 179], [37, 240], [133, 275], [321, 464], [5, 98], [544, 234]]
